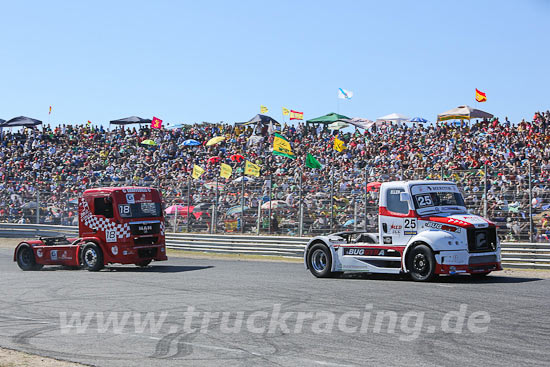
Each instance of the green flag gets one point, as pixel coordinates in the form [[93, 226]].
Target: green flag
[[312, 162]]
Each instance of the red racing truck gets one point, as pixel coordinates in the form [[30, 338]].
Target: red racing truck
[[123, 225]]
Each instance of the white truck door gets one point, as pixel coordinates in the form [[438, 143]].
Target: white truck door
[[395, 226]]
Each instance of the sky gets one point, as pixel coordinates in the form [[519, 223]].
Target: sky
[[193, 61]]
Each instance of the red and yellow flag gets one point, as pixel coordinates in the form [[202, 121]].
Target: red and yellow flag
[[49, 113], [156, 123], [480, 96], [295, 115]]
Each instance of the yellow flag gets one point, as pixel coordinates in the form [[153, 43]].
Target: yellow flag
[[263, 109], [225, 170], [197, 172], [251, 169], [281, 146], [286, 111], [339, 145]]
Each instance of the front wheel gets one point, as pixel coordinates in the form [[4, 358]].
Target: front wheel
[[421, 263], [25, 258], [144, 263], [92, 257], [320, 261]]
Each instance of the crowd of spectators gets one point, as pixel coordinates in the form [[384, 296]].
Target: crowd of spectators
[[44, 170]]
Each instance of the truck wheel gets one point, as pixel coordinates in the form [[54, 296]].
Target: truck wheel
[[92, 257], [144, 263], [25, 258], [320, 261], [421, 263]]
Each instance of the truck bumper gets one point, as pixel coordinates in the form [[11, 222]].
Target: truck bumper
[[135, 255], [456, 262]]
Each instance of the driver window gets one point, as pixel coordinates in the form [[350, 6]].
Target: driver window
[[394, 203], [103, 206]]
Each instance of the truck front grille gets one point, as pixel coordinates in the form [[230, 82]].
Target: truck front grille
[[144, 228], [482, 239]]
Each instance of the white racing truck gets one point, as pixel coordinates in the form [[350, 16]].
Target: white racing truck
[[424, 229]]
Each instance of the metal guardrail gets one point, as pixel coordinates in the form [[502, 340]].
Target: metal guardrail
[[514, 254]]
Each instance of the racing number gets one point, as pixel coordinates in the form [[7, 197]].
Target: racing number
[[110, 235], [410, 223], [124, 210], [424, 200]]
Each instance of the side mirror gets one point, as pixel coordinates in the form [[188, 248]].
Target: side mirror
[[404, 196]]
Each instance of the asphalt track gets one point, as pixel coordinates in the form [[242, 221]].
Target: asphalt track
[[30, 304]]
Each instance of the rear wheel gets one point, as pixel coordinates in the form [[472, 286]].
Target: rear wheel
[[144, 263], [92, 257], [25, 258], [320, 261], [421, 263]]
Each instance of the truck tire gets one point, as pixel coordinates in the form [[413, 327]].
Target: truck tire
[[319, 261], [421, 263], [92, 257], [144, 263], [25, 258]]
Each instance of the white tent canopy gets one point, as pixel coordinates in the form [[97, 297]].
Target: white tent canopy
[[393, 117], [360, 122]]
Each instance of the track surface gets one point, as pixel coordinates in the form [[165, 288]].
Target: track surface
[[30, 303]]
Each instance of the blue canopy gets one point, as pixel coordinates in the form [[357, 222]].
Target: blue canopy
[[418, 119], [191, 142]]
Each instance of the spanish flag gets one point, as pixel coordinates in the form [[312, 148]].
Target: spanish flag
[[156, 123], [295, 115], [339, 145], [480, 96], [281, 146], [263, 109], [49, 113], [197, 171]]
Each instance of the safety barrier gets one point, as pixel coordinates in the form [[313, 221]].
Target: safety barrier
[[514, 255]]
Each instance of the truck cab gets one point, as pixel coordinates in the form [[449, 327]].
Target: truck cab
[[424, 229]]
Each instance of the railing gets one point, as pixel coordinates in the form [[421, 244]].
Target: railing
[[514, 255]]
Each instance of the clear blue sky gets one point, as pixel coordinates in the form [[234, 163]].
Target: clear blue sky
[[192, 61]]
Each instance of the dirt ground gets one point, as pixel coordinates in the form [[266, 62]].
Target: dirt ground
[[12, 358]]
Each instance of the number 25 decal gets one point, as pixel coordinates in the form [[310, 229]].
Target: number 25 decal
[[410, 223]]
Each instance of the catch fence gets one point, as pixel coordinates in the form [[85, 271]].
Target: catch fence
[[309, 203]]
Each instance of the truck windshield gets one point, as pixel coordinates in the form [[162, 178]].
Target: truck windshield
[[140, 210], [437, 199]]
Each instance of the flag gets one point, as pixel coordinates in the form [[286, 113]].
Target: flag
[[339, 145], [225, 170], [197, 171], [263, 109], [295, 115], [480, 96], [344, 94], [285, 111], [312, 162], [156, 123], [251, 169], [89, 122], [49, 113], [281, 146]]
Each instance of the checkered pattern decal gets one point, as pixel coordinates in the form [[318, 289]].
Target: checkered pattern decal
[[162, 227], [121, 230]]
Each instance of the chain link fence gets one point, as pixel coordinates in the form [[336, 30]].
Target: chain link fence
[[310, 203]]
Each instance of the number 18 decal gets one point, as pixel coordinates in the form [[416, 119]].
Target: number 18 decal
[[410, 223], [110, 235]]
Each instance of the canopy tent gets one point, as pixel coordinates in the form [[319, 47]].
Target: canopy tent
[[259, 119], [393, 117], [329, 118], [463, 113], [130, 120], [360, 123], [2, 121], [21, 121], [338, 125]]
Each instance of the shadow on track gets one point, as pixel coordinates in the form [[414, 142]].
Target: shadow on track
[[453, 279], [135, 269]]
